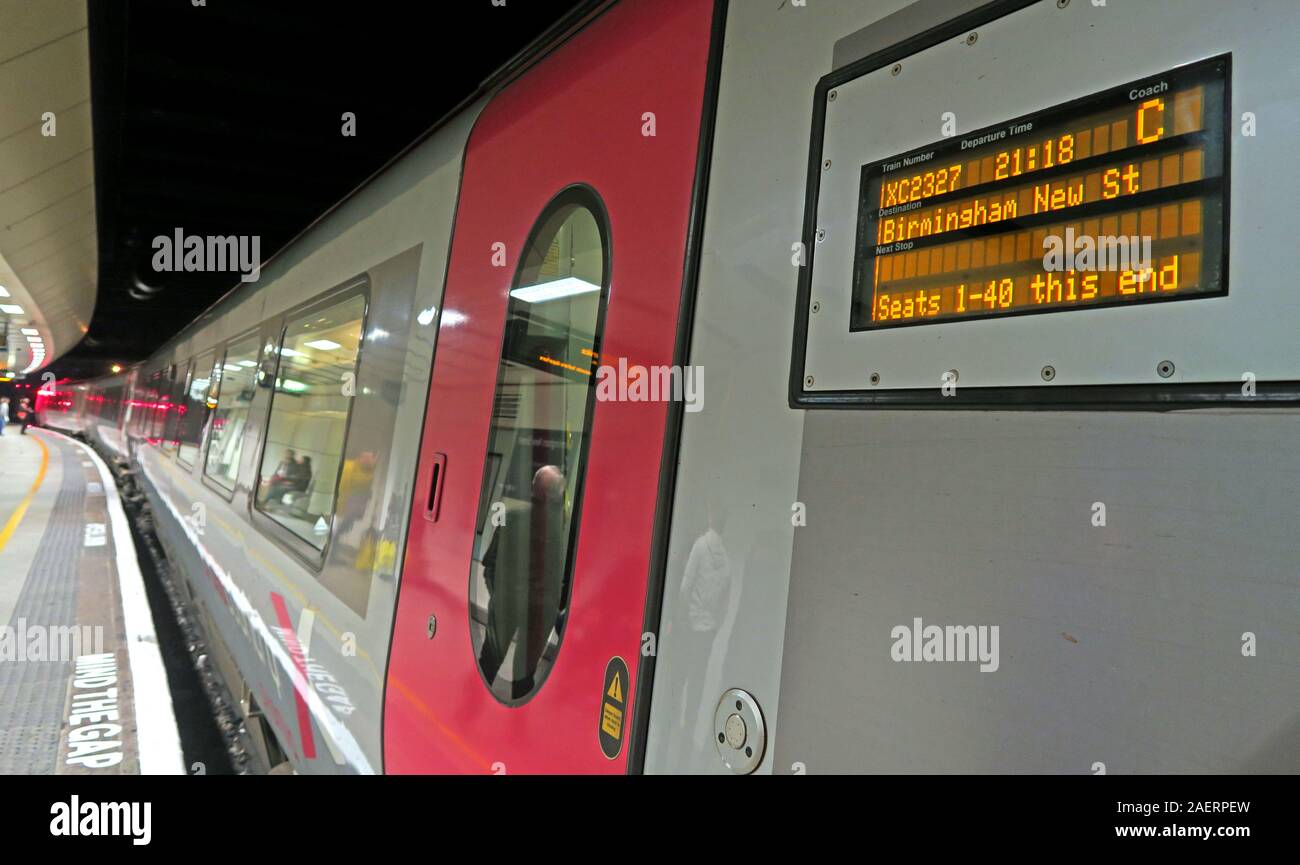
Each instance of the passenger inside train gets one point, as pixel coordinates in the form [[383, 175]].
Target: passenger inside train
[[292, 475]]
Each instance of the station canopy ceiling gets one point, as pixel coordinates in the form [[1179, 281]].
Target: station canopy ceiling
[[221, 119], [48, 243]]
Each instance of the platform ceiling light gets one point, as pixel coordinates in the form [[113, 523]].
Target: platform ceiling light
[[323, 344], [143, 290], [247, 363], [116, 368], [31, 331], [11, 308], [4, 292], [554, 290]]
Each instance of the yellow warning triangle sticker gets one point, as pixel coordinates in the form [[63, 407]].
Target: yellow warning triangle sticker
[[615, 689]]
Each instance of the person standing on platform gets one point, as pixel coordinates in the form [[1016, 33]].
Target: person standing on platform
[[24, 414], [4, 413]]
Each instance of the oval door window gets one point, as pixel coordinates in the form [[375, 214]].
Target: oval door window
[[527, 526]]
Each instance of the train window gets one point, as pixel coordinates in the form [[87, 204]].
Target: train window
[[232, 388], [159, 384], [130, 411], [172, 408], [531, 493], [147, 397], [110, 406], [139, 403], [303, 453], [144, 397], [194, 410]]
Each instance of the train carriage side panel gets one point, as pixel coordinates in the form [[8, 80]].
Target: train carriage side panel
[[300, 584], [737, 473], [1124, 647]]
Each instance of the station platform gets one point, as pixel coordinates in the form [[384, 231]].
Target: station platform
[[82, 684]]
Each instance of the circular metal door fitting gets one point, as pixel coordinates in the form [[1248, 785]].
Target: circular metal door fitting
[[739, 732]]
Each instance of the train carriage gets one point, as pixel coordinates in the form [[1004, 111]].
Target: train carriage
[[905, 498]]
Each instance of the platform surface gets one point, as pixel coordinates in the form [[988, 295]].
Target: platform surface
[[79, 663]]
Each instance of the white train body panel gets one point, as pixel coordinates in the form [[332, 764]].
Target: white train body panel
[[395, 233], [1123, 648]]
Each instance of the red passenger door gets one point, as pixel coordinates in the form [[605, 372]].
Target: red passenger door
[[520, 616]]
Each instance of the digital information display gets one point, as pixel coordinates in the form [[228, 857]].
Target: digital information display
[[1113, 199]]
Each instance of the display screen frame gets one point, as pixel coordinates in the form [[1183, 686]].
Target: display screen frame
[[1107, 361], [1214, 138]]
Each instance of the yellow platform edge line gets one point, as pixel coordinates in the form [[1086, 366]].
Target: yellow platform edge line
[[19, 512]]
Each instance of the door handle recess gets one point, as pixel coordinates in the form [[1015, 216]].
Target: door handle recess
[[438, 473]]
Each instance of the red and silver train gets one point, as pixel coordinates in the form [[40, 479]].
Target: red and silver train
[[598, 433]]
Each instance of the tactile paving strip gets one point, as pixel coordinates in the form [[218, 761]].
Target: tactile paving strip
[[33, 693]]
